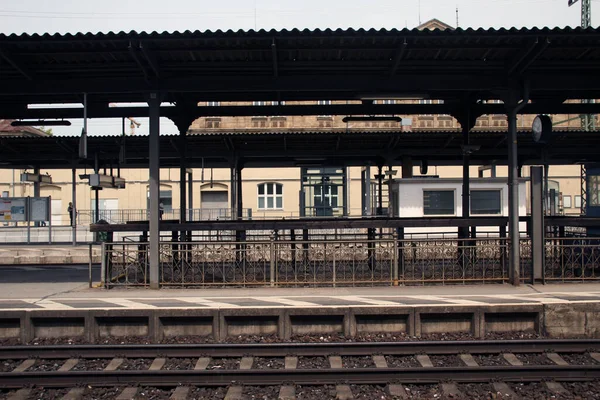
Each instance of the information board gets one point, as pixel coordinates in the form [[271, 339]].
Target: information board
[[38, 210], [13, 209]]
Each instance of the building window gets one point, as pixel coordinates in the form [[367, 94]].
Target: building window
[[259, 122], [213, 103], [213, 123], [323, 192], [594, 190], [5, 193], [270, 196], [438, 202], [328, 195], [385, 101], [578, 201], [567, 202], [166, 198], [486, 202], [278, 122]]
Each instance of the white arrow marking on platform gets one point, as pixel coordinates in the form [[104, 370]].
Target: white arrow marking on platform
[[288, 302], [372, 301], [128, 303], [202, 302], [53, 305]]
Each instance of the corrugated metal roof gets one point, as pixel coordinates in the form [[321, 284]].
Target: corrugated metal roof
[[296, 64], [305, 32]]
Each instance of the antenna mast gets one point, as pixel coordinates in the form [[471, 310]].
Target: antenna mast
[[457, 16]]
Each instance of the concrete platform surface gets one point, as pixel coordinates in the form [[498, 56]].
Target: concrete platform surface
[[56, 301], [45, 254], [67, 287], [80, 297]]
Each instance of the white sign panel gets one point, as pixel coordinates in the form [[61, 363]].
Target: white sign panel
[[39, 209], [13, 209]]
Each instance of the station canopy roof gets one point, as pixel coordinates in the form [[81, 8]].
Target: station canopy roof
[[297, 149], [288, 65]]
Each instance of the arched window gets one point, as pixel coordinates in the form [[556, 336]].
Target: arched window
[[270, 196]]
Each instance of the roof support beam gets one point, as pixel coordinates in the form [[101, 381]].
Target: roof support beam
[[580, 82], [275, 61], [132, 51], [398, 57], [528, 56], [15, 64], [151, 58]]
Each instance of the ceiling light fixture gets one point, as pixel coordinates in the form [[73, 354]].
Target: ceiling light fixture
[[371, 118], [41, 123]]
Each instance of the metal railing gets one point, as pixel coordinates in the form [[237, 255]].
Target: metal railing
[[124, 215], [313, 263], [572, 259]]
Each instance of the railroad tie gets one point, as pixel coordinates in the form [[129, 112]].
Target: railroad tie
[[68, 365], [291, 362], [287, 392], [557, 359], [24, 365], [451, 390], [343, 392], [512, 359], [556, 387], [595, 356], [114, 364], [505, 390], [234, 393], [202, 363], [21, 394], [157, 364], [335, 362], [180, 393], [380, 361], [128, 393], [469, 360], [397, 390], [74, 394], [246, 362], [424, 360]]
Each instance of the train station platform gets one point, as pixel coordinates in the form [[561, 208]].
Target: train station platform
[[56, 302], [47, 254]]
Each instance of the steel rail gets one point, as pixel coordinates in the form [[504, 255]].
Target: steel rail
[[301, 377], [300, 349]]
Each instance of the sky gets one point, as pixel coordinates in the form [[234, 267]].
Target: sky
[[72, 16]]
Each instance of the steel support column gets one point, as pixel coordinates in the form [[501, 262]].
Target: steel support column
[[238, 192], [513, 106], [537, 221], [73, 215], [190, 194], [154, 161], [37, 189], [96, 191], [182, 177], [407, 167], [379, 189], [513, 200], [366, 191], [233, 186]]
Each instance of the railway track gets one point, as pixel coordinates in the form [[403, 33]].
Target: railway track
[[512, 362]]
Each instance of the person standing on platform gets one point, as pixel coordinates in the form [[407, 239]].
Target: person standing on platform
[[161, 210], [70, 211]]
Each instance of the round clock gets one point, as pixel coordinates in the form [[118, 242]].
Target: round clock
[[541, 127]]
